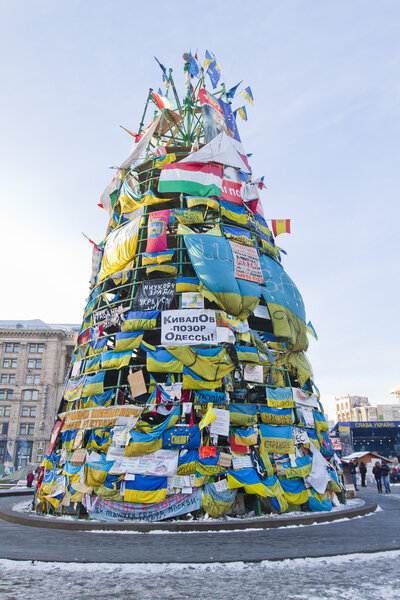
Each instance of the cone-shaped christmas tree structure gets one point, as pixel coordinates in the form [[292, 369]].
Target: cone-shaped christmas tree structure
[[189, 389]]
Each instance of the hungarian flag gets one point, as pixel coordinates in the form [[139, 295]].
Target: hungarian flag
[[162, 101], [195, 179], [280, 226]]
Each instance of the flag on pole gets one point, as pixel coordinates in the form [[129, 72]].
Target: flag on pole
[[194, 67], [310, 329], [242, 112], [162, 101], [230, 93], [209, 417], [247, 95], [280, 226], [163, 69]]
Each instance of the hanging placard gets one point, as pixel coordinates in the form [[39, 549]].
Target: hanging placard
[[246, 263], [189, 326], [156, 294]]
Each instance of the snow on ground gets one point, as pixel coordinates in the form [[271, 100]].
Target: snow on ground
[[353, 577]]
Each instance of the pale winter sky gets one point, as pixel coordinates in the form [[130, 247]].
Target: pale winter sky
[[324, 130]]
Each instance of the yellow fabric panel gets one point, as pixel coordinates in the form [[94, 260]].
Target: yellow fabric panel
[[286, 324], [120, 247], [129, 204], [234, 304], [135, 449], [158, 259], [208, 367], [146, 497]]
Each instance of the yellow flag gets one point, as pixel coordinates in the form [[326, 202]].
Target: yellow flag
[[209, 417]]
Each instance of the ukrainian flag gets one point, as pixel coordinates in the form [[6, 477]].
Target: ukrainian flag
[[320, 422], [68, 438], [129, 201], [92, 364], [168, 422], [326, 446], [94, 384], [96, 472], [276, 416], [209, 465], [171, 269], [103, 399], [191, 381], [128, 340], [145, 488], [280, 397], [302, 469], [280, 504], [243, 414], [162, 361], [294, 491], [187, 460], [167, 159], [210, 363], [192, 201], [140, 320], [233, 212], [143, 443], [187, 284], [187, 216], [178, 438], [312, 434], [115, 360], [246, 437], [277, 439], [247, 354], [97, 346], [217, 503], [99, 439], [110, 489], [157, 258], [238, 235], [120, 247], [334, 482], [252, 484]]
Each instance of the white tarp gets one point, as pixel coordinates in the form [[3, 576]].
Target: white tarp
[[221, 149], [139, 146]]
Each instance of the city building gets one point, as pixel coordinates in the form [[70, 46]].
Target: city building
[[358, 408], [34, 358]]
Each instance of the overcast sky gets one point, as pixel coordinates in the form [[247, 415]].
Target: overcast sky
[[324, 130]]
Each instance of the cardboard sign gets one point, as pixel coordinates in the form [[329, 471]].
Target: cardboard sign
[[225, 459], [189, 326], [246, 263], [137, 384]]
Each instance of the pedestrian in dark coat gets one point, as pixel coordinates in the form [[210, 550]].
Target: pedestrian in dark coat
[[363, 472], [29, 479], [385, 470], [377, 471]]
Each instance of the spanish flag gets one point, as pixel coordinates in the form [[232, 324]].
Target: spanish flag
[[280, 226]]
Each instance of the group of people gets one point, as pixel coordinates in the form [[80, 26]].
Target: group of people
[[380, 471]]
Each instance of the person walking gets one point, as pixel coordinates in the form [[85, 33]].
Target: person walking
[[377, 471], [363, 471], [29, 479], [353, 473], [385, 470]]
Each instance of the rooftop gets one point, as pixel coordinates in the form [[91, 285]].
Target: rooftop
[[36, 324]]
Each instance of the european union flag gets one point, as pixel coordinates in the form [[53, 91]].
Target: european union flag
[[230, 119], [214, 73], [230, 93], [194, 68]]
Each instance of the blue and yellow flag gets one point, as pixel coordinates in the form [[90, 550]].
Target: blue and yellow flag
[[320, 422], [94, 384], [167, 159], [242, 112], [187, 284], [103, 399], [246, 437], [247, 354], [208, 417], [247, 95], [100, 439], [233, 212], [162, 361], [191, 381], [294, 491], [145, 488], [192, 201], [188, 459], [68, 438], [157, 258], [277, 439], [276, 416], [252, 484], [140, 320], [93, 364], [115, 360], [128, 340], [302, 468], [96, 472], [243, 414], [217, 503], [186, 216], [280, 397], [143, 443]]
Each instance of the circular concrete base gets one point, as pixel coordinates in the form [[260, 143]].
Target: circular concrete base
[[32, 520]]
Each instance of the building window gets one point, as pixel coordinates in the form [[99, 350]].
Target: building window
[[32, 379], [4, 428], [11, 378], [7, 411], [26, 429], [34, 363], [12, 348], [30, 395], [6, 394], [36, 348], [10, 363], [28, 411], [7, 378]]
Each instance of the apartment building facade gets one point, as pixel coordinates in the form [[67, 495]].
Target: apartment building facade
[[34, 358]]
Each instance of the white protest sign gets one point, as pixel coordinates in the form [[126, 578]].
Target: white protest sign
[[189, 326], [220, 426], [246, 263], [241, 462], [254, 373], [192, 300]]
